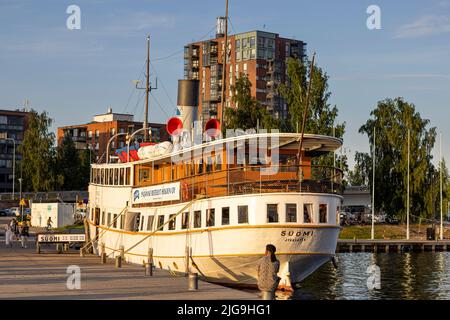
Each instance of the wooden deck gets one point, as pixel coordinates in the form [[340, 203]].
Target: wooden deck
[[379, 245]]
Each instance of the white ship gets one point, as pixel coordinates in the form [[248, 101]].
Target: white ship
[[210, 205]]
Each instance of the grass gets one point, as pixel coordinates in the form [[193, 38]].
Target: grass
[[386, 231], [71, 227]]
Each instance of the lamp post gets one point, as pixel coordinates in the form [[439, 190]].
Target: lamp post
[[14, 164], [20, 196], [109, 141], [131, 137]]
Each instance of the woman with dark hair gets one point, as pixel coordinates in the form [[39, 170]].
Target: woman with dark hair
[[268, 268]]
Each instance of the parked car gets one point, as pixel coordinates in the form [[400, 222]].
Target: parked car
[[15, 211], [392, 220], [347, 218], [3, 213]]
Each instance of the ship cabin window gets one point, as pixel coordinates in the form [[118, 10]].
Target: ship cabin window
[[291, 212], [103, 218], [210, 216], [144, 174], [272, 213], [160, 222], [209, 165], [150, 223], [185, 220], [197, 219], [218, 163], [127, 176], [307, 212], [116, 177], [200, 166], [122, 221], [172, 221], [225, 216], [110, 176], [121, 177], [322, 213], [115, 221], [242, 214], [108, 221]]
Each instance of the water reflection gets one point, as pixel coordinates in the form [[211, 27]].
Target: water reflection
[[403, 276]]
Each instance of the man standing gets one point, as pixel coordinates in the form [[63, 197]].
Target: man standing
[[24, 234], [268, 268]]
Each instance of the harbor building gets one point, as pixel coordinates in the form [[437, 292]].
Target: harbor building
[[261, 55], [13, 124], [94, 136]]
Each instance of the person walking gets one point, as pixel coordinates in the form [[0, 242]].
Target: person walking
[[8, 236], [268, 268], [24, 234], [14, 226], [49, 223]]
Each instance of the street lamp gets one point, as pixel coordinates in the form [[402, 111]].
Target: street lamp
[[20, 196], [14, 163], [132, 135], [109, 141]]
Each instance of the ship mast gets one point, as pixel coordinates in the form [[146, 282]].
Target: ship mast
[[147, 91], [224, 66]]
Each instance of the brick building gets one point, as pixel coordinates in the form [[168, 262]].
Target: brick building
[[95, 135], [259, 54], [12, 127]]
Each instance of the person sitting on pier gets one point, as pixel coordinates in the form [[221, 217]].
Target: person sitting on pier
[[268, 268], [8, 236], [49, 223]]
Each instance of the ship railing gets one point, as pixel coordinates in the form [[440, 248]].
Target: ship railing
[[258, 179]]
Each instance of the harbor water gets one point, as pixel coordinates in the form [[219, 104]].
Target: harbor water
[[421, 275]]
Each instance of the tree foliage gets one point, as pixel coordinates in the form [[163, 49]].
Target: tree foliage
[[392, 118], [248, 113], [38, 154], [321, 117], [360, 174]]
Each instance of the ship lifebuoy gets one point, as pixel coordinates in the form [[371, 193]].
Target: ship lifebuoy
[[185, 190]]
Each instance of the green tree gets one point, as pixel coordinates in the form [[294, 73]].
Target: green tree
[[248, 112], [392, 119], [38, 154], [321, 117], [360, 174], [84, 169], [68, 163]]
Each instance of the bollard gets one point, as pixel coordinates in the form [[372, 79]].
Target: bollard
[[122, 253], [149, 269], [103, 254], [38, 248], [193, 281], [66, 247], [118, 262], [268, 295], [58, 248]]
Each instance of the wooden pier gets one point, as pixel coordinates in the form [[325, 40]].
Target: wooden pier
[[398, 245]]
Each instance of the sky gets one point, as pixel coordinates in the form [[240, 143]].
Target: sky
[[75, 74]]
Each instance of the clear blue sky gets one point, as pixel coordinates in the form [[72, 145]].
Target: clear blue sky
[[76, 74]]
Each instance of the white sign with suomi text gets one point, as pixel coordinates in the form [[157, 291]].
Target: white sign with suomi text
[[162, 192]]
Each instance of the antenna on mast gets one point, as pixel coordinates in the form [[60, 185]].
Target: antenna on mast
[[224, 65], [147, 89]]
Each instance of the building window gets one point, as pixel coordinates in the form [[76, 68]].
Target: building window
[[252, 42], [291, 212], [172, 221], [272, 213], [242, 214], [238, 44], [307, 212], [244, 43], [197, 219], [97, 133], [150, 223], [113, 131], [210, 216], [89, 134], [225, 216], [185, 220], [160, 222], [322, 213]]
